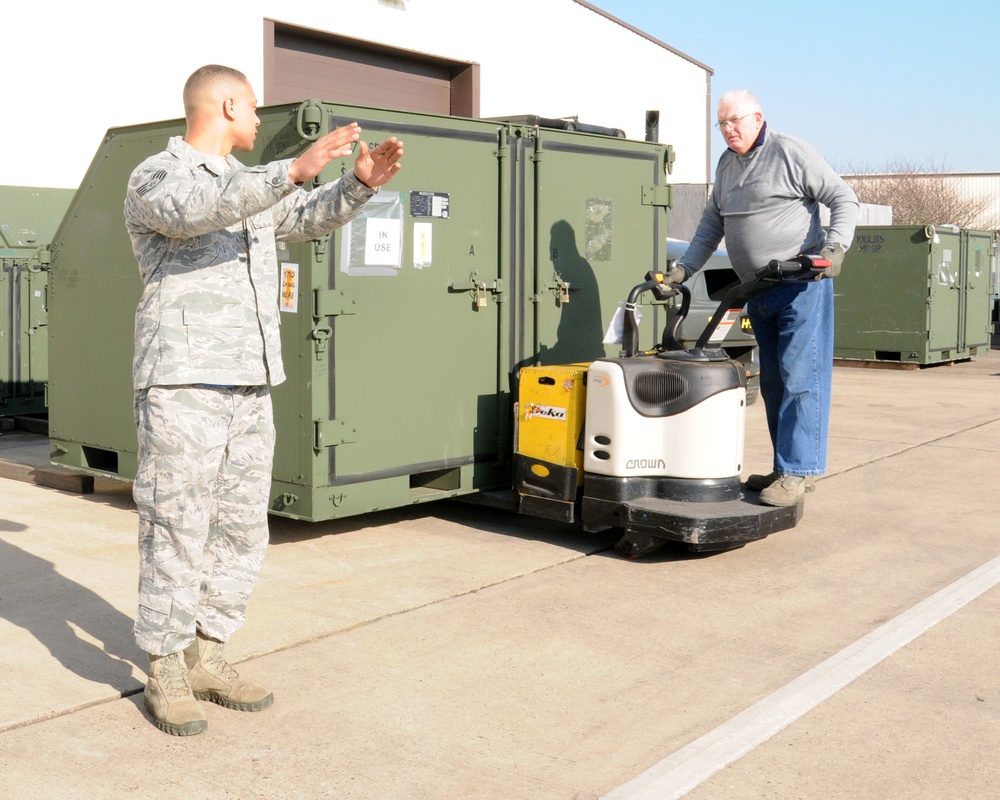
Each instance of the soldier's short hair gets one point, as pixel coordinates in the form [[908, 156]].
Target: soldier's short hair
[[205, 77]]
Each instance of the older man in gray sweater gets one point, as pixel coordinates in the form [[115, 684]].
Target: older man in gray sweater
[[766, 203]]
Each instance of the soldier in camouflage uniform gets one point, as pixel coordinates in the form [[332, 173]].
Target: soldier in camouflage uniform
[[207, 347]]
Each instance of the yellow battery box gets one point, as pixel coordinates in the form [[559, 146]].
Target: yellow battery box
[[551, 406]]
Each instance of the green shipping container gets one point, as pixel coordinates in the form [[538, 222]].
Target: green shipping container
[[499, 245], [915, 294], [29, 216]]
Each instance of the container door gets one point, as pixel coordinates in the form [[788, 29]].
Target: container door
[[945, 300], [34, 346], [595, 211], [28, 218], [7, 331], [401, 361], [23, 339], [980, 249]]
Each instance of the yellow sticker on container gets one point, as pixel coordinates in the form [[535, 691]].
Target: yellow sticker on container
[[289, 297]]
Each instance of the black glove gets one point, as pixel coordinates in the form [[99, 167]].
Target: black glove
[[835, 254], [675, 275]]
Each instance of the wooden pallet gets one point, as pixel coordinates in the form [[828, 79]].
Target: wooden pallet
[[877, 364], [873, 364], [24, 456]]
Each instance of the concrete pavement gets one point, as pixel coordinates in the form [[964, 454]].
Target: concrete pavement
[[446, 651]]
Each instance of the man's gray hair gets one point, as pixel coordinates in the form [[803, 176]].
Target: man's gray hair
[[742, 98]]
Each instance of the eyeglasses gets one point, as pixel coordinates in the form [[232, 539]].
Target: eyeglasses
[[732, 122]]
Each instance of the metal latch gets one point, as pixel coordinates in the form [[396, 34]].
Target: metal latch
[[479, 290], [558, 287], [321, 335], [669, 156]]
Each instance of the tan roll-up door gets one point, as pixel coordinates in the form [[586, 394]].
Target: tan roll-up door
[[300, 63]]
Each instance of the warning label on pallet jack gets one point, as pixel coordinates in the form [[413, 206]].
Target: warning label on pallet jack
[[727, 322]]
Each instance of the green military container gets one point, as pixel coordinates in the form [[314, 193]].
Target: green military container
[[915, 294], [500, 244], [29, 216]]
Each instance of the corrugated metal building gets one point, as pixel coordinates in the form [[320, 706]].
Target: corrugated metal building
[[977, 190]]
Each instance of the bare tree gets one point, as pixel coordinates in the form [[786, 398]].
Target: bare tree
[[921, 196]]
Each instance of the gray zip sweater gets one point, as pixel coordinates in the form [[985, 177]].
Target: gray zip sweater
[[766, 205]]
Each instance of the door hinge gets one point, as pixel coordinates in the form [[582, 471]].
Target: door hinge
[[332, 303], [658, 196], [333, 432]]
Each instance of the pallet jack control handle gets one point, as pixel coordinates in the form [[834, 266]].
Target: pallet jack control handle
[[801, 267], [656, 283]]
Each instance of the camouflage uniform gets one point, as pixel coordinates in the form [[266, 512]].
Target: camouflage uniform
[[207, 345]]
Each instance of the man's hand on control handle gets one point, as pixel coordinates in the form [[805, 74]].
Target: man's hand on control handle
[[675, 275], [834, 253]]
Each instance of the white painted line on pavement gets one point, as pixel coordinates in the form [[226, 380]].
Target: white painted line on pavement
[[685, 769]]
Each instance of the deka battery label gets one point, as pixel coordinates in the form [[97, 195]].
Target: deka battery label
[[535, 410]]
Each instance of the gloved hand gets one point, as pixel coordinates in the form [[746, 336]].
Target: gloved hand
[[675, 275], [835, 253]]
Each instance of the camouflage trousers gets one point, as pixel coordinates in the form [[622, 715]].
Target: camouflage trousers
[[201, 488]]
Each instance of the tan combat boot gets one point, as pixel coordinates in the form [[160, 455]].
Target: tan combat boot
[[213, 678], [759, 483], [169, 699], [785, 491]]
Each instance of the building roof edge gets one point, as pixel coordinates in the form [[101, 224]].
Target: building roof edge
[[644, 35]]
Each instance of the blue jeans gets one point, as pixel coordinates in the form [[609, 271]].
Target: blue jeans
[[793, 324]]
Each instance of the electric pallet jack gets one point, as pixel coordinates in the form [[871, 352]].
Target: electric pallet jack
[[650, 443]]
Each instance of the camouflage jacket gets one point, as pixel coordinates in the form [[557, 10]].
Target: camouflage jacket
[[203, 231]]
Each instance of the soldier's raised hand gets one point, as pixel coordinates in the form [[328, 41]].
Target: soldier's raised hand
[[377, 167], [337, 143]]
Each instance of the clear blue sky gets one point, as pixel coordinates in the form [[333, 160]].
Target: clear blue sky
[[870, 84]]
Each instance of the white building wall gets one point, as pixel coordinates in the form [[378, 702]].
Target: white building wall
[[74, 73]]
